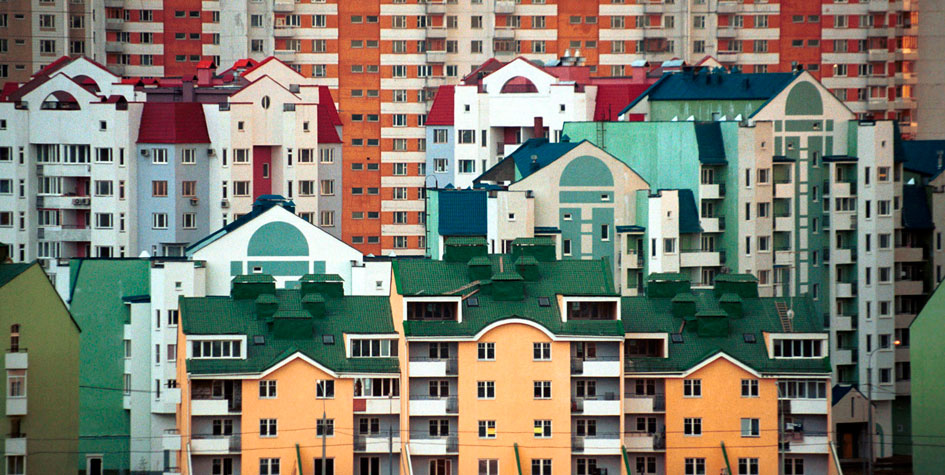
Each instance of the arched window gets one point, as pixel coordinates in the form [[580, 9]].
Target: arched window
[[14, 338]]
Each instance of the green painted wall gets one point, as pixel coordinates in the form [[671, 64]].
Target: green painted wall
[[928, 371], [97, 306], [804, 99], [702, 110], [277, 239], [50, 340], [433, 223], [586, 171], [902, 417], [729, 209], [280, 268]]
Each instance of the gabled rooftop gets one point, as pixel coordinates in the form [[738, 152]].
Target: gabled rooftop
[[262, 204], [528, 158], [311, 320]]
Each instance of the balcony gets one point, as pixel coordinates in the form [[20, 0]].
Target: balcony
[[877, 104], [377, 443], [436, 8], [16, 359], [285, 32], [600, 444], [726, 32], [909, 287], [215, 444], [644, 441], [282, 6], [712, 191], [504, 33], [286, 55], [843, 356], [606, 405], [423, 444], [877, 81], [421, 367], [171, 440], [113, 47], [845, 323], [433, 405], [727, 6], [783, 223], [846, 290], [377, 405], [436, 32], [436, 57], [504, 7], [844, 256], [805, 442], [211, 407], [640, 404], [114, 24], [904, 103], [906, 78], [728, 56], [604, 367], [909, 254], [114, 4], [16, 406], [14, 445], [809, 406], [699, 259], [783, 257], [712, 224], [877, 6], [879, 54]]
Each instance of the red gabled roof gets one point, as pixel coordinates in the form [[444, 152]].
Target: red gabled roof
[[205, 64], [612, 98], [53, 66], [8, 88], [441, 113], [328, 117], [173, 122]]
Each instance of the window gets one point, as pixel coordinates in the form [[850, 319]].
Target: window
[[542, 389], [798, 348], [16, 383], [325, 427], [692, 426], [793, 466], [541, 351], [16, 465], [268, 428], [267, 389], [324, 389], [751, 428], [373, 348], [487, 429], [488, 466], [749, 388], [158, 156], [486, 351], [269, 466], [692, 388], [566, 247], [216, 349], [695, 466], [327, 187], [541, 466], [747, 466], [485, 389]]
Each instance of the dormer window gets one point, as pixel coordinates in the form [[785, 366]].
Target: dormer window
[[373, 348], [644, 347], [204, 349], [432, 311], [797, 348], [583, 310]]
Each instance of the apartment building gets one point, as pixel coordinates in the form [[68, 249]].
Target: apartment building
[[927, 369], [41, 367], [318, 376], [137, 166], [132, 313], [34, 34]]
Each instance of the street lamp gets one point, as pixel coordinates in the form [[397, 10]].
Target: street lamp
[[869, 407]]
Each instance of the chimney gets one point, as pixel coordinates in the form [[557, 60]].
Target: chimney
[[539, 128], [205, 76], [187, 90]]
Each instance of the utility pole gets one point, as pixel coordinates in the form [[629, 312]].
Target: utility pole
[[324, 434], [390, 436]]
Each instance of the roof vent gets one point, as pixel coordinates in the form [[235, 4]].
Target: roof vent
[[259, 339], [328, 339], [472, 302], [749, 338], [676, 338], [544, 302]]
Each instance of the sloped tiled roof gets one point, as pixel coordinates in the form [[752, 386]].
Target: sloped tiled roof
[[704, 86], [9, 272], [711, 145], [654, 315], [915, 208], [544, 151], [921, 156], [612, 98], [462, 212], [262, 204], [173, 122], [218, 315], [328, 117], [425, 277], [441, 113]]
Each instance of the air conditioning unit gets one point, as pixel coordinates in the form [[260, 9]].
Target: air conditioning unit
[[194, 201], [224, 203], [294, 88], [145, 153]]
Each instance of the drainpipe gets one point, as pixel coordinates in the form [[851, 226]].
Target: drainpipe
[[725, 456], [518, 460], [626, 459]]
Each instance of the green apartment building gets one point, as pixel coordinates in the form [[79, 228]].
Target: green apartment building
[[928, 370], [40, 424]]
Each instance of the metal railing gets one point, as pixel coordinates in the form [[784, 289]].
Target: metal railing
[[659, 400], [450, 441], [452, 404], [452, 364], [577, 364]]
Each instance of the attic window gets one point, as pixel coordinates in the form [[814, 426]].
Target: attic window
[[544, 302], [749, 338], [259, 340], [472, 302], [265, 102], [257, 269], [328, 339], [676, 338]]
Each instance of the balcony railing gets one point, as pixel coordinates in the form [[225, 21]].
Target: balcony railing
[[659, 400], [452, 405], [659, 438], [451, 442], [577, 364], [578, 442], [451, 363]]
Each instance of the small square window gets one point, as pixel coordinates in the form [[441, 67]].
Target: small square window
[[544, 302], [328, 339], [472, 302]]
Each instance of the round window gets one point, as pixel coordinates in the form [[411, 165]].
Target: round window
[[265, 102]]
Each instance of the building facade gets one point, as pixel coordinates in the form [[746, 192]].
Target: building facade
[[41, 365], [926, 370]]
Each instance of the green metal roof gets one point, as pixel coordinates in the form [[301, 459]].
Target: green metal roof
[[425, 277], [9, 272], [655, 315], [715, 85], [224, 315], [688, 213], [466, 241], [711, 145], [254, 279], [916, 213]]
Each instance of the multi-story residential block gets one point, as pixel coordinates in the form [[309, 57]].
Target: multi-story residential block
[[41, 367], [473, 125], [130, 307], [133, 167], [927, 369], [34, 34], [318, 377]]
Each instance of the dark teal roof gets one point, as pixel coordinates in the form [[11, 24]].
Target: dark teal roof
[[688, 213], [462, 212], [707, 86], [921, 156], [655, 315], [915, 208], [631, 228], [223, 315], [425, 277], [711, 146], [9, 272], [544, 152], [547, 230]]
